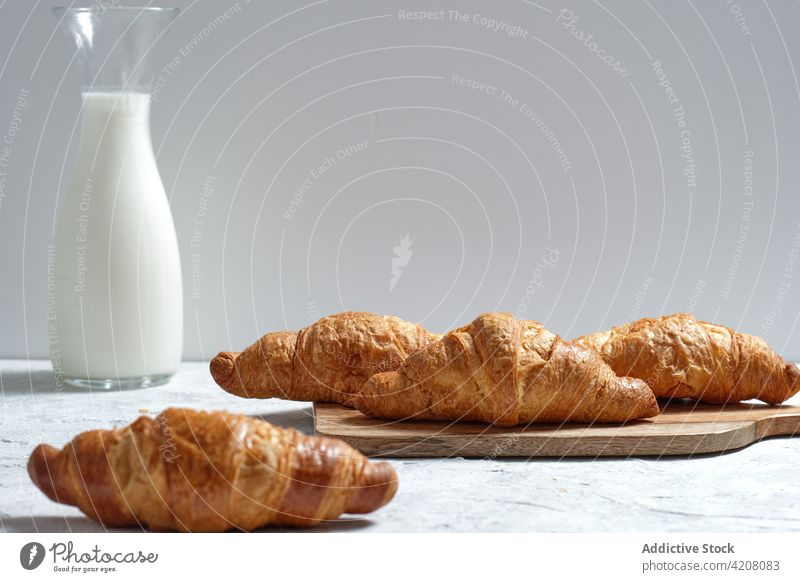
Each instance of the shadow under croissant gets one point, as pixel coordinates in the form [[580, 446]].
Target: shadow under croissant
[[77, 524], [300, 419], [51, 524], [641, 458]]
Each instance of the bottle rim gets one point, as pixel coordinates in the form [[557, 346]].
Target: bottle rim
[[61, 10]]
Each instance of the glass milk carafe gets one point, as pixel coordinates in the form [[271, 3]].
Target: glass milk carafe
[[118, 296]]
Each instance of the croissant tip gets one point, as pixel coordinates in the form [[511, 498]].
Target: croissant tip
[[793, 375], [360, 399], [41, 467], [222, 367], [377, 487], [641, 391], [652, 410], [391, 485]]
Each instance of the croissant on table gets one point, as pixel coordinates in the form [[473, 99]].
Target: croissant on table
[[505, 371], [681, 357], [327, 361], [195, 471]]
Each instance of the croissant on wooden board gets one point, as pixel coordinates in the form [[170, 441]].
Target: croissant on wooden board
[[681, 357], [187, 470], [505, 371], [327, 361]]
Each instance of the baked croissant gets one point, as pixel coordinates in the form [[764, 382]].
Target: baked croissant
[[681, 357], [327, 361], [505, 371], [198, 471]]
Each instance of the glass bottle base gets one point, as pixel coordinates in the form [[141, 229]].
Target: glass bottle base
[[119, 383]]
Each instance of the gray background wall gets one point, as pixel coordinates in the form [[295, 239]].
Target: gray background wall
[[607, 229]]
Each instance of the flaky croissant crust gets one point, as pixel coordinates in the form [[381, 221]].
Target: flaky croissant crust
[[505, 371], [327, 361], [196, 471], [680, 356]]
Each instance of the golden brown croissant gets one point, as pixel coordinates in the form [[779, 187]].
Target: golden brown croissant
[[327, 361], [681, 357], [505, 371], [197, 471]]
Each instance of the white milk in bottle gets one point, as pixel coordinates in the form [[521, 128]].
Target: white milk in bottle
[[118, 299]]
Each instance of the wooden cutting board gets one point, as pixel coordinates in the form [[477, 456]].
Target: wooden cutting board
[[683, 428]]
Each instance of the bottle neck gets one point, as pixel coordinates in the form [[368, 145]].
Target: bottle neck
[[115, 116]]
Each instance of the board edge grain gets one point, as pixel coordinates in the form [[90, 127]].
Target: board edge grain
[[644, 439]]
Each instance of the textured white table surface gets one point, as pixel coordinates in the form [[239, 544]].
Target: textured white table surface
[[754, 489]]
